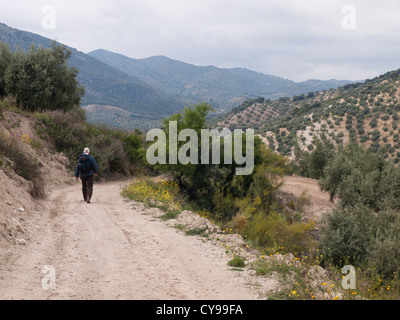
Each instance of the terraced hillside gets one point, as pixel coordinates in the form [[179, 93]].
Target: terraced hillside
[[366, 113], [120, 118]]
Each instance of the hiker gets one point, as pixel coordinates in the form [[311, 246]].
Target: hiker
[[87, 167]]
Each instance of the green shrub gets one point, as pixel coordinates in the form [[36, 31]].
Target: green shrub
[[346, 235], [118, 152], [237, 262], [364, 229], [373, 123], [383, 252], [268, 266], [352, 164], [275, 231], [363, 238]]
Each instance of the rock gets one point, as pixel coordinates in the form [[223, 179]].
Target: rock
[[194, 221]]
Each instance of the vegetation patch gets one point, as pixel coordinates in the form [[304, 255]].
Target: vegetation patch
[[14, 155], [165, 194], [237, 262]]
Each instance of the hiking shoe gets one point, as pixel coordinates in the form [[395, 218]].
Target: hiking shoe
[[88, 200]]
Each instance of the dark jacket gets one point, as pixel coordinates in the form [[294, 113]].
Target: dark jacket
[[95, 168]]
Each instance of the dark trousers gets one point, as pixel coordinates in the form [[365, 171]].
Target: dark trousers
[[87, 187]]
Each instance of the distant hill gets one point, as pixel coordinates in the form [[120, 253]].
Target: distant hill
[[104, 84], [367, 113], [153, 88], [121, 118], [224, 88]]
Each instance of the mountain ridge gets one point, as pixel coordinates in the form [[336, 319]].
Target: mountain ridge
[[104, 84], [156, 87], [209, 83]]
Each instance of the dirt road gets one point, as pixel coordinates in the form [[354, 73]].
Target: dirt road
[[319, 203], [110, 249]]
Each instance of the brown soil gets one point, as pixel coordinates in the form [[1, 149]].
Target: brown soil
[[318, 201]]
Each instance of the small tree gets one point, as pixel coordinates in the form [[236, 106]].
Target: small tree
[[191, 118], [5, 60], [354, 174], [324, 149], [40, 79]]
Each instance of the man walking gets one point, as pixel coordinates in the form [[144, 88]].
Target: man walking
[[87, 167]]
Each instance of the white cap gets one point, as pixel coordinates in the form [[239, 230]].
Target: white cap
[[87, 151]]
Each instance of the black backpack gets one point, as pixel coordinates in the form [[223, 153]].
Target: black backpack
[[85, 165]]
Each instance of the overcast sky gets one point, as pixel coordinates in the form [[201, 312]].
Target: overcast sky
[[293, 39]]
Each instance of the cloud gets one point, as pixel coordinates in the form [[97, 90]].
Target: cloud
[[295, 39]]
